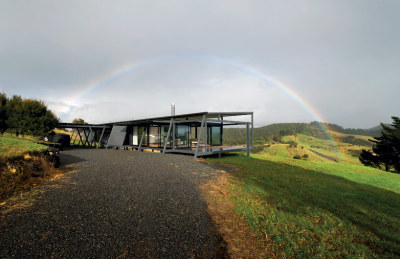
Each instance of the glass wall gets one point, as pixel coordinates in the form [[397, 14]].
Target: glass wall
[[163, 135], [135, 141], [186, 135], [141, 130], [154, 136], [215, 135], [182, 136]]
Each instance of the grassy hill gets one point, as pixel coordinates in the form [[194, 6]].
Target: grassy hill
[[307, 195], [237, 136], [316, 209]]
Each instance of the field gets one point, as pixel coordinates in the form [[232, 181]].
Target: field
[[11, 146], [316, 206]]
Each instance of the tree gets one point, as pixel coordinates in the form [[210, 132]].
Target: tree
[[27, 116], [385, 153], [14, 114], [3, 113], [79, 121]]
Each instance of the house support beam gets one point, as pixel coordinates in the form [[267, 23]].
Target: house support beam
[[141, 139], [80, 137], [173, 133], [167, 138], [101, 137], [199, 137], [86, 138], [252, 130], [205, 136], [247, 140]]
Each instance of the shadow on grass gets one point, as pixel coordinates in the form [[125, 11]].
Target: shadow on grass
[[301, 191]]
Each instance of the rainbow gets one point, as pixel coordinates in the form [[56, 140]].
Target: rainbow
[[118, 73]]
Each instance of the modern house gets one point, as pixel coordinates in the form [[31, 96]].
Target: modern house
[[199, 134]]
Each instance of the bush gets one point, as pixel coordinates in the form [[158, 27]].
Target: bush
[[258, 148], [354, 153], [297, 157], [305, 156], [25, 116]]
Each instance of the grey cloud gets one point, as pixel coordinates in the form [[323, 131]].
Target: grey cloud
[[335, 54]]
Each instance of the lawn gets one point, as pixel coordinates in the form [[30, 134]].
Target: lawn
[[307, 209], [10, 147]]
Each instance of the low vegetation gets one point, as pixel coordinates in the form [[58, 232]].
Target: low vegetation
[[13, 147], [22, 164], [307, 196], [302, 208]]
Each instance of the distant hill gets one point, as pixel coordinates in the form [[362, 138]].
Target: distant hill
[[372, 132], [237, 136]]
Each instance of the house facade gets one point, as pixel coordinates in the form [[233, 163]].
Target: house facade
[[200, 134]]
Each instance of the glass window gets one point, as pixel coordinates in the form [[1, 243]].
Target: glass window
[[141, 130], [154, 137], [182, 135], [164, 132], [135, 136], [215, 135]]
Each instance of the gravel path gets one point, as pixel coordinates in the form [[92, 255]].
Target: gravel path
[[119, 204]]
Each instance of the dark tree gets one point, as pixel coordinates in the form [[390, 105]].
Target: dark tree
[[3, 113], [14, 115], [37, 119], [385, 153], [27, 116]]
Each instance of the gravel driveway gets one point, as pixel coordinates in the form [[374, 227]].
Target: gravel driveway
[[119, 204]]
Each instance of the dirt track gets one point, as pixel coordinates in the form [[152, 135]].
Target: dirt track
[[119, 203]]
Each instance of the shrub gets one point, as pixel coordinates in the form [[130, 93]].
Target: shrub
[[258, 148]]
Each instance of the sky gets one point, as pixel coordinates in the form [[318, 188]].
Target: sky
[[334, 61]]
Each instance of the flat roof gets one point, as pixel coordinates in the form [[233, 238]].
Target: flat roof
[[197, 115]]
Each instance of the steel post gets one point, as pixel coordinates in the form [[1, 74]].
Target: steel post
[[199, 136], [141, 139], [247, 140], [101, 137], [166, 139]]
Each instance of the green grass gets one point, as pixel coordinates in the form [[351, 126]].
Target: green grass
[[334, 149], [318, 209], [10, 147], [357, 173]]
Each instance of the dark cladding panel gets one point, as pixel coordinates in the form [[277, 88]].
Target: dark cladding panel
[[117, 136]]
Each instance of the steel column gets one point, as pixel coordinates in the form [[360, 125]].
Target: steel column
[[141, 139], [86, 138], [166, 139], [101, 137], [173, 133], [199, 136], [205, 136], [76, 130], [222, 130], [72, 136], [80, 138], [252, 127], [90, 132], [247, 140]]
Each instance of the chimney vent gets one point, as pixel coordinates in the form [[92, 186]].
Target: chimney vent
[[172, 109]]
